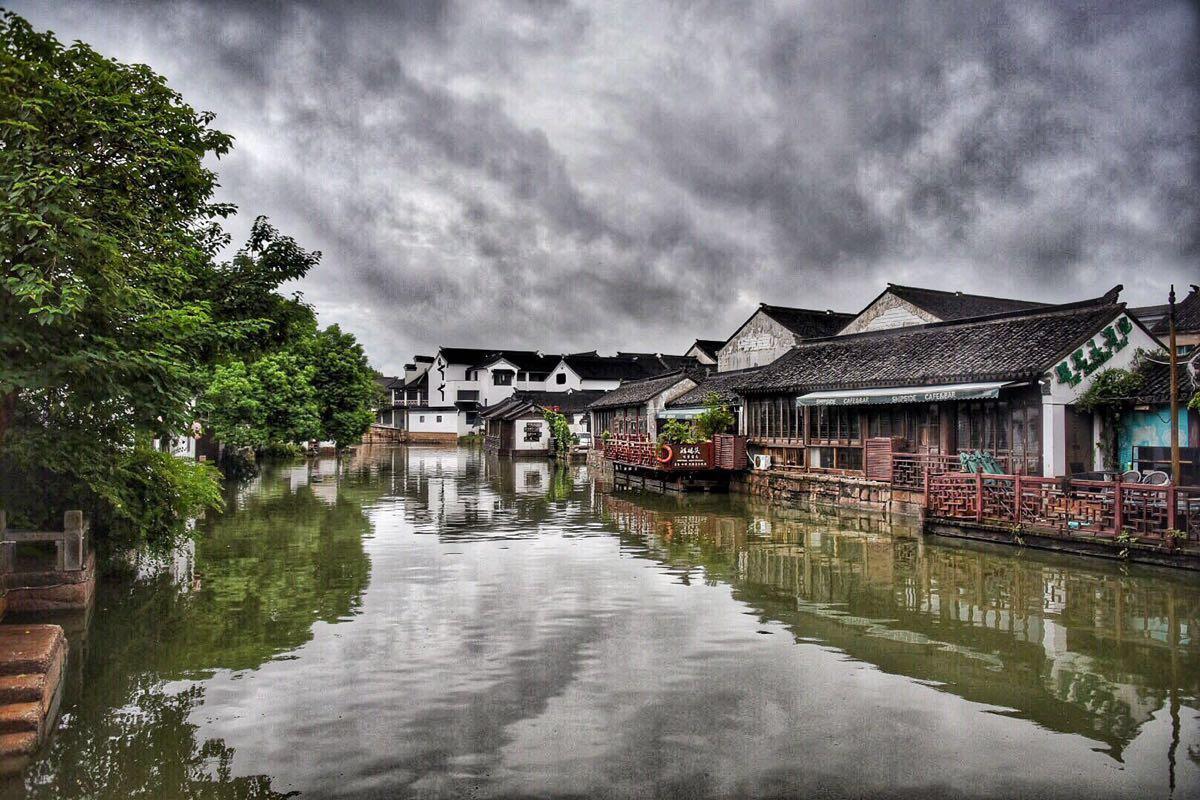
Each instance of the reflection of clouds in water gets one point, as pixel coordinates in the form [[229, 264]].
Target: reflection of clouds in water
[[570, 642]]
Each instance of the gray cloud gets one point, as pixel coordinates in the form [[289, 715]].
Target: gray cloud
[[566, 176]]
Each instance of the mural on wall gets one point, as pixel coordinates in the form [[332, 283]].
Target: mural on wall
[[1149, 429]]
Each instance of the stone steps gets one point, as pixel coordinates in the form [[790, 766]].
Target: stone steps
[[32, 658], [24, 688]]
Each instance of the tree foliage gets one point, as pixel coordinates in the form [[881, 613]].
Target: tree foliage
[[346, 391], [716, 417], [560, 431], [115, 314], [1112, 390]]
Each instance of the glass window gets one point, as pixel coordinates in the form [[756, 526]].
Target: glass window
[[560, 378], [439, 417]]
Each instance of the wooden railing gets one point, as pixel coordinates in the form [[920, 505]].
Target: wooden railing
[[69, 543], [909, 469], [1098, 508]]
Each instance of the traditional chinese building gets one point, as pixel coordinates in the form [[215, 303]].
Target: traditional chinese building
[[773, 330], [635, 405], [1004, 384], [517, 426]]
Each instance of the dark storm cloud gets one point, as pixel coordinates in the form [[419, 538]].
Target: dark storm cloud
[[567, 176]]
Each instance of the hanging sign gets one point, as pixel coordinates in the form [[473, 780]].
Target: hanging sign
[[1093, 355]]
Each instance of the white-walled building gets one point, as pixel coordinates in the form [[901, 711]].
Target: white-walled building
[[771, 331]]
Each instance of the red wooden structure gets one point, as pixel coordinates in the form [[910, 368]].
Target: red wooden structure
[[632, 447], [1096, 508]]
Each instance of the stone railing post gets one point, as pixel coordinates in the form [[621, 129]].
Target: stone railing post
[[70, 548]]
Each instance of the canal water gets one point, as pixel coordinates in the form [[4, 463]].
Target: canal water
[[422, 622]]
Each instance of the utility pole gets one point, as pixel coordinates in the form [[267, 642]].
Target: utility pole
[[1174, 391]]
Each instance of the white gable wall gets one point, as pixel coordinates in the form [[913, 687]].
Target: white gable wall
[[760, 341], [888, 311]]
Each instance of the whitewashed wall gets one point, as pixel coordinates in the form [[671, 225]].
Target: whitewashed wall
[[760, 341], [887, 312]]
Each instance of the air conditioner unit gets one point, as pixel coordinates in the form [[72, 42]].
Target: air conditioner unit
[[761, 461]]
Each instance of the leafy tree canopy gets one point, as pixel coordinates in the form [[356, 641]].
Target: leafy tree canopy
[[115, 314]]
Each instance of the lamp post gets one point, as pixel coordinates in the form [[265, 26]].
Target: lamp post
[[1174, 390]]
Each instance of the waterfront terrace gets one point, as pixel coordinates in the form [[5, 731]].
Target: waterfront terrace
[[1004, 384]]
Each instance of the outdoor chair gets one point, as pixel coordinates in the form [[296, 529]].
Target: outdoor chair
[[1156, 478], [1131, 476]]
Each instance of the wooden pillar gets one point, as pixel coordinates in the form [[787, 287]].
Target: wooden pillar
[[979, 497], [1118, 507], [1017, 498]]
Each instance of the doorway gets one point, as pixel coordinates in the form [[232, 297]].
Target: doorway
[[1080, 448]]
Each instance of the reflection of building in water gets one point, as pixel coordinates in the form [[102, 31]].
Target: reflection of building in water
[[1053, 643], [179, 564]]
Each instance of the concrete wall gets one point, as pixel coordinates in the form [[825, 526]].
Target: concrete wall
[[542, 445], [433, 420], [804, 490], [760, 341]]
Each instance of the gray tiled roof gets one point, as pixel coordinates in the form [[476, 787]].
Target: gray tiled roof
[[808, 323], [1187, 315], [948, 306], [632, 393], [724, 384], [1018, 345]]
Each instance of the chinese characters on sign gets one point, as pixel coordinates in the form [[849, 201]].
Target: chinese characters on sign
[[691, 455], [1094, 354], [533, 431]]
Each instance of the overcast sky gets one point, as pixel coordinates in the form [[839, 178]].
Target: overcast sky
[[567, 175]]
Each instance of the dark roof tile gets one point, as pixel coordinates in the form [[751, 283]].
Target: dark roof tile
[[636, 392], [949, 306], [807, 323], [1187, 315], [723, 383], [1020, 345]]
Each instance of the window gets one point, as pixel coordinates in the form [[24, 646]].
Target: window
[[422, 418], [439, 418], [560, 378], [522, 376], [502, 377]]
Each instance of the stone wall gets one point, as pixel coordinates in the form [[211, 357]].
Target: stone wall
[[787, 489]]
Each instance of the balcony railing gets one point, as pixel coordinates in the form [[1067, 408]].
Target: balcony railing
[[1096, 508]]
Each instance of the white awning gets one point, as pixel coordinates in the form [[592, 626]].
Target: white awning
[[680, 413], [903, 394]]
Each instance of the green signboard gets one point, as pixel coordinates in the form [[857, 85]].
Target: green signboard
[[1094, 354]]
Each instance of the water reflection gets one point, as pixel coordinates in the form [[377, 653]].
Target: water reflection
[[1076, 647], [434, 622]]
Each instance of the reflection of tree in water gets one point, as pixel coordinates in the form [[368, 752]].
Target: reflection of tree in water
[[141, 746], [268, 572], [1071, 648]]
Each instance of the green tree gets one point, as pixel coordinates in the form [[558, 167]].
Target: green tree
[[113, 309], [346, 392], [716, 417]]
